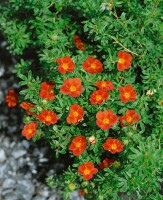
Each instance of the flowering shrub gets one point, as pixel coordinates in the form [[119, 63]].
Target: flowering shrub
[[85, 74]]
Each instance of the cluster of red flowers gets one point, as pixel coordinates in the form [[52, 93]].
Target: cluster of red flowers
[[73, 87]]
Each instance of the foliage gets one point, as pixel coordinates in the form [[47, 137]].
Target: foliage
[[40, 32]]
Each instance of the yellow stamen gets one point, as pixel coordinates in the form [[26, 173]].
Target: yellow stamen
[[121, 60], [86, 171], [114, 146], [72, 88], [93, 66], [127, 95], [48, 118], [65, 66], [106, 121]]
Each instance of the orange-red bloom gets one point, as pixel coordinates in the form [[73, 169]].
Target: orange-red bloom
[[98, 96], [124, 61], [127, 93], [27, 106], [106, 119], [65, 64], [29, 130], [87, 170], [104, 85], [113, 145], [92, 65], [131, 117], [106, 163], [72, 87], [12, 98], [81, 192], [78, 145], [47, 90], [48, 117], [75, 115], [78, 43]]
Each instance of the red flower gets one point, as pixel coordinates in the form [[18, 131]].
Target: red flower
[[104, 85], [92, 65], [78, 145], [48, 117], [124, 61], [81, 192], [131, 117], [72, 87], [65, 64], [127, 93], [27, 106], [98, 96], [87, 170], [106, 119], [106, 163], [113, 145], [78, 43], [75, 115], [29, 130], [11, 98], [47, 90]]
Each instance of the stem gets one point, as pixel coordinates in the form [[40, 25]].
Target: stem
[[126, 49]]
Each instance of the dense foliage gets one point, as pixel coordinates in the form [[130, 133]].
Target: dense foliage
[[110, 132]]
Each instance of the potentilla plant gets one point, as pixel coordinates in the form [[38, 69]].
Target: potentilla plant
[[93, 91]]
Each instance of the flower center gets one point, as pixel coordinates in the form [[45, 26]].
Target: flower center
[[78, 144], [129, 119], [98, 97], [13, 98], [106, 121], [72, 88], [65, 66], [48, 118], [86, 171], [75, 113], [114, 146], [121, 60], [127, 95], [50, 91], [29, 131], [103, 84], [93, 66]]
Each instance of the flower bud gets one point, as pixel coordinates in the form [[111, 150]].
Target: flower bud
[[92, 139], [44, 101], [39, 108], [72, 186], [117, 164]]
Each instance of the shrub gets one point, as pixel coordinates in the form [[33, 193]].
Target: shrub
[[91, 77]]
